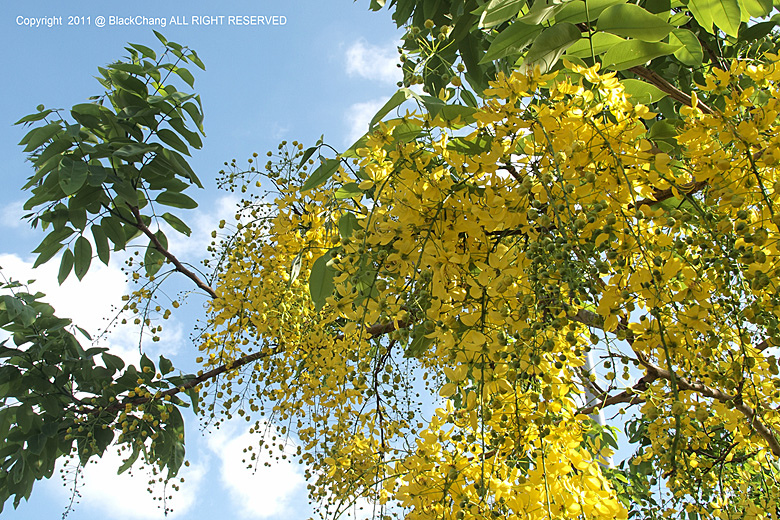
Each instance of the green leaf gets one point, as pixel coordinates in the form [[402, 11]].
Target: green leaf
[[97, 174], [17, 472], [176, 200], [185, 75], [306, 156], [756, 8], [66, 264], [406, 132], [194, 113], [469, 98], [349, 191], [347, 224], [59, 145], [511, 40], [726, 15], [321, 174], [146, 51], [690, 53], [397, 99], [548, 46], [707, 12], [472, 146], [146, 363], [34, 117], [642, 92], [165, 365], [754, 32], [180, 166], [173, 140], [463, 114], [154, 259], [55, 237], [82, 252], [601, 42], [540, 12], [129, 462], [114, 231], [632, 21], [101, 243], [125, 190], [577, 11], [133, 151], [37, 136], [321, 280], [635, 52], [177, 224], [112, 362], [499, 11], [72, 175], [419, 344]]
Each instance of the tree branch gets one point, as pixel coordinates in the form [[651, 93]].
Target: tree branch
[[139, 223], [662, 195], [764, 431], [376, 330], [630, 396], [675, 93], [192, 383]]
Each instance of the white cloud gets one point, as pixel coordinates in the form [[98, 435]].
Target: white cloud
[[93, 304], [202, 223], [373, 62], [262, 491], [127, 496], [358, 117], [11, 214]]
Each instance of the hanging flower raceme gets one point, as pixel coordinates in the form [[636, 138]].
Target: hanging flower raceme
[[435, 362]]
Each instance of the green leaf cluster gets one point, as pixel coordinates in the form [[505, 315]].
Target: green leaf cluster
[[120, 154], [58, 398]]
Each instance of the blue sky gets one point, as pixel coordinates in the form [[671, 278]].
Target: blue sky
[[325, 71]]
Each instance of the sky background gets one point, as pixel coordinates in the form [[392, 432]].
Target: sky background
[[326, 71]]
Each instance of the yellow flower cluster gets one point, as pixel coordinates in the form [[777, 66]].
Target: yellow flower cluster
[[473, 269]]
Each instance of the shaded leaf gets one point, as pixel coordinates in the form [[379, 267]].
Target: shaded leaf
[[66, 265], [600, 42], [642, 91], [173, 140], [635, 52], [72, 175], [321, 174], [321, 280], [82, 253], [37, 136], [499, 11], [690, 52], [551, 44], [632, 21], [177, 224], [511, 40], [176, 200], [395, 100], [349, 190]]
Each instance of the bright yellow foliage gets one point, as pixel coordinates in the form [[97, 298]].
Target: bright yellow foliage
[[475, 266]]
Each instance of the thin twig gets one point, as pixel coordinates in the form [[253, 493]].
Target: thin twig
[[139, 223], [674, 92]]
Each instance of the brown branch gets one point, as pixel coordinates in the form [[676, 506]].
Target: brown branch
[[764, 431], [674, 92], [139, 223], [630, 396], [376, 330], [192, 383], [662, 195]]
